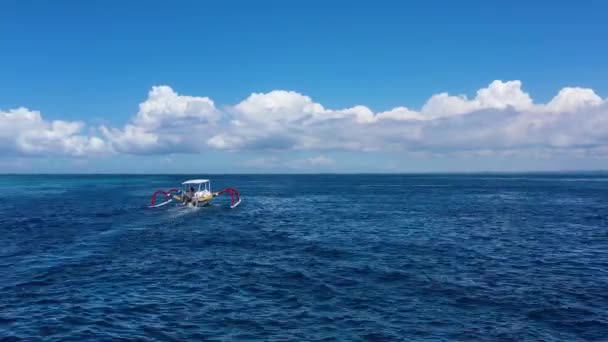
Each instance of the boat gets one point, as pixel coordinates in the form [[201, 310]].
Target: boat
[[193, 193]]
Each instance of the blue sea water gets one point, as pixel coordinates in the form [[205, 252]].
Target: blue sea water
[[307, 257]]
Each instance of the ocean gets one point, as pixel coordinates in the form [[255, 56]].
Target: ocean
[[474, 257]]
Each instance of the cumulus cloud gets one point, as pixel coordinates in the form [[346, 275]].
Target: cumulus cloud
[[497, 95], [500, 117], [280, 106], [400, 113], [164, 107], [573, 99], [25, 132], [167, 122]]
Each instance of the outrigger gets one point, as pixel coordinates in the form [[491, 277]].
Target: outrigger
[[194, 193]]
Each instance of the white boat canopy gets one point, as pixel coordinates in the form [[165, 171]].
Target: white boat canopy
[[196, 181]]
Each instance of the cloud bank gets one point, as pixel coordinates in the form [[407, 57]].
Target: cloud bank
[[500, 118], [25, 132]]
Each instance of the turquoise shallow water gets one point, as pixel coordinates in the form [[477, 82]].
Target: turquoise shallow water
[[323, 257]]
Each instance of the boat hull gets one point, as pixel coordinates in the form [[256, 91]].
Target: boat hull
[[198, 204]]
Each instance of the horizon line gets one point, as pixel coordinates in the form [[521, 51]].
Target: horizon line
[[303, 173]]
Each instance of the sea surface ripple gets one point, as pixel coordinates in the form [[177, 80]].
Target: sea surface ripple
[[306, 257]]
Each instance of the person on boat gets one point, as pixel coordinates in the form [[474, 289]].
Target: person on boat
[[189, 195]]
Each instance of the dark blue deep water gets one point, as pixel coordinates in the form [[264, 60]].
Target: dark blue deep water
[[321, 257]]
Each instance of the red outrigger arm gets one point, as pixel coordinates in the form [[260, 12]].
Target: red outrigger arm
[[235, 198], [166, 193]]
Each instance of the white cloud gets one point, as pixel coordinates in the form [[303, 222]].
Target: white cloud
[[500, 117], [400, 113], [279, 107], [132, 138], [497, 95], [164, 107], [573, 99], [25, 132], [276, 107], [224, 141], [167, 122]]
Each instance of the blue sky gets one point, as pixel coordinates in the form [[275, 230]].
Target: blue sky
[[91, 64]]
